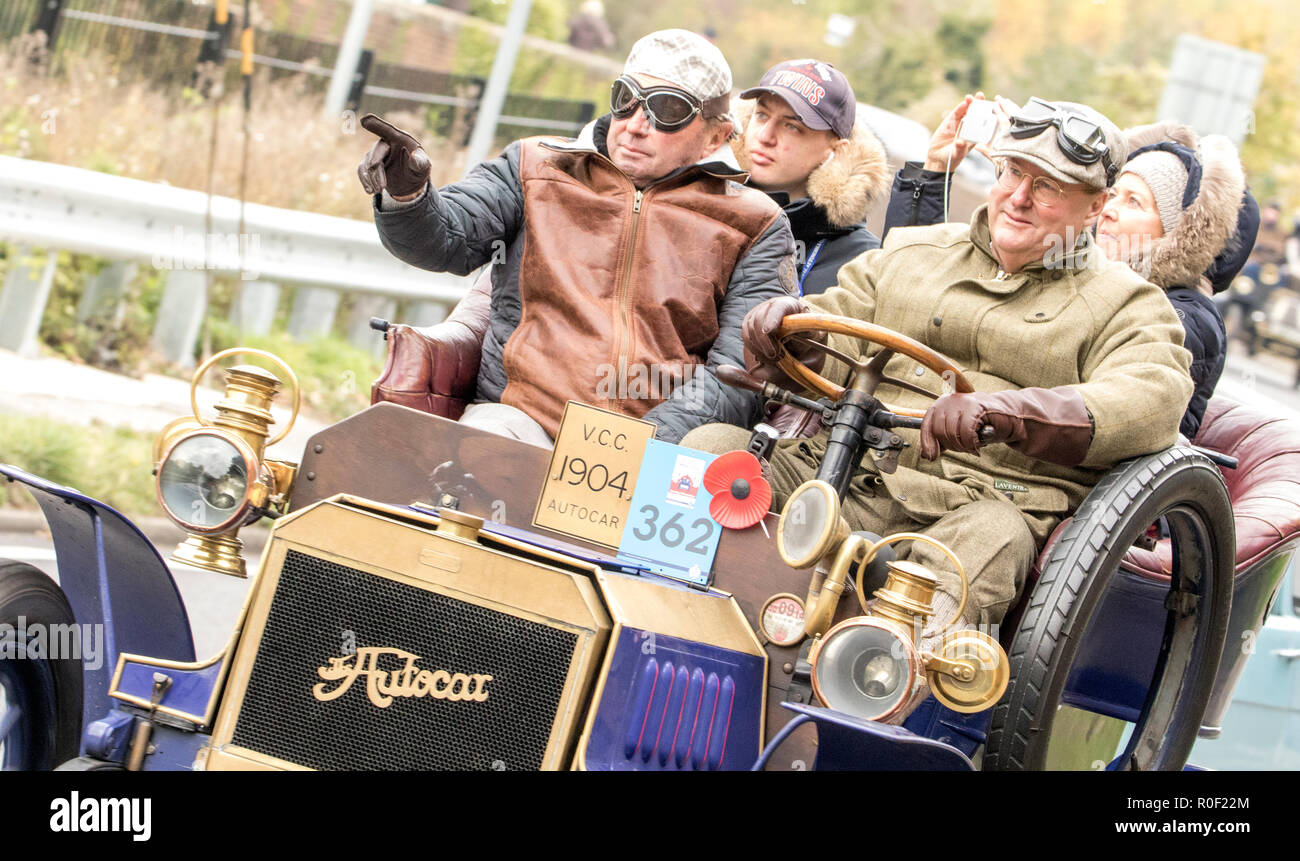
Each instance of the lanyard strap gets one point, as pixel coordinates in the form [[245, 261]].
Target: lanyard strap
[[808, 265]]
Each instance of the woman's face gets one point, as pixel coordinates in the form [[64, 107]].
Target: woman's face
[[1129, 221]]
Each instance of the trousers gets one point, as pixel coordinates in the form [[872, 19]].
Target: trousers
[[989, 536], [505, 420]]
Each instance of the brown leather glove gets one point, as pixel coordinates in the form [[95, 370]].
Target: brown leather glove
[[762, 347], [1047, 424], [397, 162]]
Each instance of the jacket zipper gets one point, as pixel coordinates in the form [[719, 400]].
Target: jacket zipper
[[621, 294], [916, 202]]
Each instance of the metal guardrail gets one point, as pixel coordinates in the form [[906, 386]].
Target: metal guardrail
[[55, 206], [139, 224]]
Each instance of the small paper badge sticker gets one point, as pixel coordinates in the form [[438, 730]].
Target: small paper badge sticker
[[687, 477]]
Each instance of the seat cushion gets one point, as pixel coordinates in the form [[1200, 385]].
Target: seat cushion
[[1264, 488]]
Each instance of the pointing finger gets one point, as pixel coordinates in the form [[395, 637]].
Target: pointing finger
[[388, 132]]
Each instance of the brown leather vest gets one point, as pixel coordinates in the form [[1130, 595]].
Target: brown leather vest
[[619, 287]]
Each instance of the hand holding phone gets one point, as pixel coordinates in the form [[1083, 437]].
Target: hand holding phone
[[980, 122], [947, 146]]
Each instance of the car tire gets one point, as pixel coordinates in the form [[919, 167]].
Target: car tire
[[1187, 490], [40, 697]]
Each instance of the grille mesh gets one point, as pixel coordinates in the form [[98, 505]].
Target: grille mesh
[[316, 601]]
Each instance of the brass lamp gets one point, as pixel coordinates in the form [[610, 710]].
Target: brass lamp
[[212, 478], [871, 666]]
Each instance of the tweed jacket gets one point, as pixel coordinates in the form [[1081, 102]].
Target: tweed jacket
[[1082, 321]]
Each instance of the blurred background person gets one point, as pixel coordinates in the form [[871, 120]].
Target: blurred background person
[[589, 31]]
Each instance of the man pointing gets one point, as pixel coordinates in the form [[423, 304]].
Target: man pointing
[[631, 252]]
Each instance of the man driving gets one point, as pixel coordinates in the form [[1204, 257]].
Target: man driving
[[1077, 363], [631, 254]]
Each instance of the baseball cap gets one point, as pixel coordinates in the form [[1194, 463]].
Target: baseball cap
[[817, 92], [1044, 149]]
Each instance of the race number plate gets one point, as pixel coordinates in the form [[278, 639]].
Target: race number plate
[[669, 529], [593, 471]]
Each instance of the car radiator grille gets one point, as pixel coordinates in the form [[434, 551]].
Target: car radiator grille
[[321, 609]]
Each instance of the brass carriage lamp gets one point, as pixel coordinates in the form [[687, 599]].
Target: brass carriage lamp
[[212, 478], [871, 666]]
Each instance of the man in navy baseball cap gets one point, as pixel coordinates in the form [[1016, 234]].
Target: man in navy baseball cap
[[818, 92], [800, 145]]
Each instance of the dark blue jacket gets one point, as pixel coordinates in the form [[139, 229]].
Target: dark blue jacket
[[810, 225]]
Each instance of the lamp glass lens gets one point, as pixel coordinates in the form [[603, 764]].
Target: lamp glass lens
[[204, 481], [803, 522], [863, 670]]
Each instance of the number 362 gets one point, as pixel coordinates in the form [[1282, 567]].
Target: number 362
[[672, 532]]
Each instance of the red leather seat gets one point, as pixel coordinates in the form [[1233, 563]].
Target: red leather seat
[[1264, 489], [435, 368]]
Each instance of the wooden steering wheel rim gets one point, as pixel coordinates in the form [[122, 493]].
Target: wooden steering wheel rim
[[795, 324]]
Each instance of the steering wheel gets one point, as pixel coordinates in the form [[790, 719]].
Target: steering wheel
[[890, 341]]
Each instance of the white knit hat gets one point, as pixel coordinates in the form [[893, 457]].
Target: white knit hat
[[683, 58], [1165, 175]]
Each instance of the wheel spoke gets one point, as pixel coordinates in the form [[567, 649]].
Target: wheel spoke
[[903, 384], [852, 362]]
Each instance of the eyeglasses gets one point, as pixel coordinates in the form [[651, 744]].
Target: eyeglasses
[[1081, 139], [1045, 192], [667, 108]]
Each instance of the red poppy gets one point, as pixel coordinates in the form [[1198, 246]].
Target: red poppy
[[741, 496]]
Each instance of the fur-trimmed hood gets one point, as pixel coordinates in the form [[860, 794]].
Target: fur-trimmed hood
[[1180, 258], [845, 186]]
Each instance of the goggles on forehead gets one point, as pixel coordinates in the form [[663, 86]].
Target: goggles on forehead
[[1081, 139], [667, 108]]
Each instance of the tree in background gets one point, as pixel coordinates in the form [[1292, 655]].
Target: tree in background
[[900, 51], [1115, 56]]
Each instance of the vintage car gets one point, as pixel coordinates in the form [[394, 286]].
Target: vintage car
[[408, 612]]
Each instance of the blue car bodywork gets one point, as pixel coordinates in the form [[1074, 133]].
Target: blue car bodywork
[[1261, 729]]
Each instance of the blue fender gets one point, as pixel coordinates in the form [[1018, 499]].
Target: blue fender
[[848, 743], [114, 577]]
